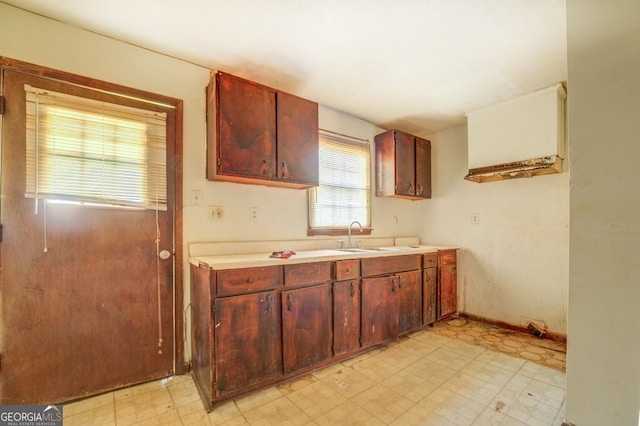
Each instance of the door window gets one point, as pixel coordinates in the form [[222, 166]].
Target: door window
[[93, 152]]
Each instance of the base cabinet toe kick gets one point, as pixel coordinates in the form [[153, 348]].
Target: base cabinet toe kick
[[255, 327]]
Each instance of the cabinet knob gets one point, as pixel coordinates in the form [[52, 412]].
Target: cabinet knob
[[411, 191], [353, 289], [263, 167], [284, 172], [250, 280], [419, 190]]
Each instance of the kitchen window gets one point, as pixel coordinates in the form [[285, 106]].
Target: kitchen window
[[343, 193], [89, 152]]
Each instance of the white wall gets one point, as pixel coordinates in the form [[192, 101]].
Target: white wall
[[283, 212], [32, 38], [513, 265], [603, 358]]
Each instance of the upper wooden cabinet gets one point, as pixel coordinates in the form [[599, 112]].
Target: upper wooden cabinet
[[256, 134], [403, 165]]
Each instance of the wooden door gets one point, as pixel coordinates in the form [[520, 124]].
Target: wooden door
[[423, 168], [306, 326], [346, 316], [247, 341], [409, 301], [87, 302], [405, 164], [379, 310], [246, 140], [297, 141], [429, 291]]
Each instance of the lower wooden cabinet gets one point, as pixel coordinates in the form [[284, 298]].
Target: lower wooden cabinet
[[447, 284], [429, 292], [379, 310], [306, 326], [346, 316], [409, 301], [253, 327], [247, 346]]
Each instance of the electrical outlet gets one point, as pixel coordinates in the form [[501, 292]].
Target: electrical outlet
[[254, 214], [475, 218], [196, 197], [217, 212]]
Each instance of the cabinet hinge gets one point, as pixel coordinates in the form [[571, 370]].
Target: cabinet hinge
[[0, 233], [1, 105], [218, 162], [213, 310]]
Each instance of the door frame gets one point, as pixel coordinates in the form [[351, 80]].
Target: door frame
[[177, 104]]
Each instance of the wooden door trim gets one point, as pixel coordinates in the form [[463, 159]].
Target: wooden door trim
[[177, 104]]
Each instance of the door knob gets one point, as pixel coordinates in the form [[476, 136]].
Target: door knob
[[164, 254]]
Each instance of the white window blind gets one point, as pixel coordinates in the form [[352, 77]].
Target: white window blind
[[343, 194], [88, 151]]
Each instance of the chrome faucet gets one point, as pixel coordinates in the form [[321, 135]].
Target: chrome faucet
[[349, 231]]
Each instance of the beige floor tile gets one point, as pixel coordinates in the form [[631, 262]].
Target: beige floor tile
[[384, 403], [348, 413], [299, 383], [280, 412], [418, 415], [224, 412], [376, 368], [425, 378], [410, 385], [317, 399], [491, 417], [348, 382], [257, 399]]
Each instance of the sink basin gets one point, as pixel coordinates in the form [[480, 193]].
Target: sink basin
[[366, 249]]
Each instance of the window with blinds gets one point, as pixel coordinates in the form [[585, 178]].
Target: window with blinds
[[91, 152], [343, 193]]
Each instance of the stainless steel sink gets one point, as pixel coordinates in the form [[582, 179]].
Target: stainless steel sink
[[366, 249]]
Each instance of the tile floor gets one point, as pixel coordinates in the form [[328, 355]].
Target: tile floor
[[427, 378], [522, 345]]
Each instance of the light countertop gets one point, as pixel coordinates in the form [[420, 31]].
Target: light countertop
[[262, 259]]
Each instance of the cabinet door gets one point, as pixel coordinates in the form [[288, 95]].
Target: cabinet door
[[297, 147], [429, 293], [423, 168], [246, 142], [405, 164], [379, 310], [247, 341], [448, 294], [409, 301], [346, 316], [306, 326]]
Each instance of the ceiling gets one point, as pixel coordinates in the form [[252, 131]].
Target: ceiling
[[415, 65]]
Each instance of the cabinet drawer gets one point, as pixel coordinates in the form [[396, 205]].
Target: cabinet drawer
[[347, 269], [389, 265], [306, 273], [447, 257], [247, 280], [429, 260]]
